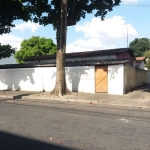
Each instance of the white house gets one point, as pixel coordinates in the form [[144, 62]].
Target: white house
[[108, 73]]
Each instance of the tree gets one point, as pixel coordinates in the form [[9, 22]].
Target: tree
[[35, 46], [63, 13], [147, 57], [139, 46], [10, 10], [68, 13], [6, 51]]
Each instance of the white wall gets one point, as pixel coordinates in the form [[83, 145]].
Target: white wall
[[115, 79], [27, 79], [80, 79], [142, 65]]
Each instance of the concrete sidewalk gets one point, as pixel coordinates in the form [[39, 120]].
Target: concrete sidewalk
[[138, 98]]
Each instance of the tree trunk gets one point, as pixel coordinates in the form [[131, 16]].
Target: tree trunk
[[60, 87]]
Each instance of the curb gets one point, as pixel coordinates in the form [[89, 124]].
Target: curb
[[63, 100], [72, 100], [85, 102]]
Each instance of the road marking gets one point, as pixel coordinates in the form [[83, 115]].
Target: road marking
[[124, 120]]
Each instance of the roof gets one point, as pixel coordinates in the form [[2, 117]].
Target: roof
[[98, 62], [140, 58], [83, 54], [70, 63]]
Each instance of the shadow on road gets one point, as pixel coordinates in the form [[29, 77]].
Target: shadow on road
[[10, 141]]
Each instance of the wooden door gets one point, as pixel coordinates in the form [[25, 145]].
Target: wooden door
[[101, 79]]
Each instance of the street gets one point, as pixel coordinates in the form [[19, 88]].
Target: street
[[46, 125]]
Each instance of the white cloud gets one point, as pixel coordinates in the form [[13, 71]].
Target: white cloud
[[15, 41], [102, 34], [27, 26], [11, 39], [131, 1], [114, 27], [90, 44]]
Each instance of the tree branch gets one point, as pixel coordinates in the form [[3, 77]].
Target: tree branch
[[72, 12]]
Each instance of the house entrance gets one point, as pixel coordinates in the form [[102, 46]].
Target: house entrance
[[101, 79]]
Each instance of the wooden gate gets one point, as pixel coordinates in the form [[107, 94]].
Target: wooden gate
[[101, 79]]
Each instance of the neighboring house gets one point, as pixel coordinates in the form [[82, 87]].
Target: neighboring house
[[140, 63]]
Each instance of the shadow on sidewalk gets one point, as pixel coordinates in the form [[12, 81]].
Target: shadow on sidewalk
[[144, 88], [17, 94], [10, 141], [21, 95]]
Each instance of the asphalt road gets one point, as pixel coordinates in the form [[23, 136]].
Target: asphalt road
[[34, 125]]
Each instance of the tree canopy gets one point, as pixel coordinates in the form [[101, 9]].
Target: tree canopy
[[35, 46], [139, 46], [48, 11], [6, 51], [11, 10], [76, 9]]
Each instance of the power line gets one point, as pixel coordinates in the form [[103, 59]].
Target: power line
[[125, 3], [135, 5], [127, 36]]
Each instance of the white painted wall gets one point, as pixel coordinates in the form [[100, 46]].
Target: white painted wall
[[115, 79], [27, 79], [142, 65], [79, 79]]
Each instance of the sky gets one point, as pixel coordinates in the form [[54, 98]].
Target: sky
[[126, 22]]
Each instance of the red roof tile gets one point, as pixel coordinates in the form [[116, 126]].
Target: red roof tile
[[140, 58]]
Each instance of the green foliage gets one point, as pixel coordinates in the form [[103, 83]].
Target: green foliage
[[77, 9], [147, 57], [35, 46], [139, 46], [48, 11], [6, 51], [11, 10]]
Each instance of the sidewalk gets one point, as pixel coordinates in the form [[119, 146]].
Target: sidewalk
[[138, 98]]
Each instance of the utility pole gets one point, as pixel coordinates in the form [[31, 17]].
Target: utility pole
[[38, 50], [149, 44], [127, 36]]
